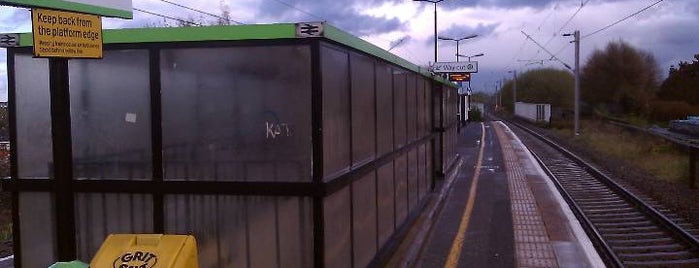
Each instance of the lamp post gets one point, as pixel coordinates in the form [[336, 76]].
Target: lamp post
[[469, 57], [435, 23], [457, 42], [514, 90]]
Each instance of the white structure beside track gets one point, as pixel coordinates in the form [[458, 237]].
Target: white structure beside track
[[534, 112]]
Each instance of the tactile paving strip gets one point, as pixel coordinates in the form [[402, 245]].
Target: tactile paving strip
[[532, 245]]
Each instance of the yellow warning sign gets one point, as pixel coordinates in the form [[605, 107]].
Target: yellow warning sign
[[66, 34]]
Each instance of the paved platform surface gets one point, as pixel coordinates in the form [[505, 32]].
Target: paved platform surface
[[500, 210]]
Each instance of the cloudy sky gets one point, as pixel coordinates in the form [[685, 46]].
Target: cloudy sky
[[668, 30]]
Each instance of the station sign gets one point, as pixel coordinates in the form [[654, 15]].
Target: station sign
[[107, 8], [66, 34], [455, 67]]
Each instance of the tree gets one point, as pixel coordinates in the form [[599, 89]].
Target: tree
[[620, 79], [682, 83], [547, 85]]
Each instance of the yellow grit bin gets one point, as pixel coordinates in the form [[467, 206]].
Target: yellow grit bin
[[147, 251]]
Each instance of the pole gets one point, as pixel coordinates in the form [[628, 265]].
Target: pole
[[577, 82], [514, 91], [457, 51], [435, 32]]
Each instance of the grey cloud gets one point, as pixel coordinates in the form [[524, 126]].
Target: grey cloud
[[459, 31], [343, 14], [19, 17]]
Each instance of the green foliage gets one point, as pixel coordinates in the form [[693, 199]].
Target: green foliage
[[665, 110], [475, 115], [6, 232], [620, 79], [682, 84], [545, 85], [480, 97]]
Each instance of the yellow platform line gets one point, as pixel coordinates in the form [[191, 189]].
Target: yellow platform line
[[457, 245]]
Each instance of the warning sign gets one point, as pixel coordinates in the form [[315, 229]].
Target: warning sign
[[66, 34]]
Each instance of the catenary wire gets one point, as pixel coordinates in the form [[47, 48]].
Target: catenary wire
[[619, 21], [167, 17], [200, 11], [298, 9]]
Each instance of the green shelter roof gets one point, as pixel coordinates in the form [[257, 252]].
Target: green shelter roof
[[244, 32]]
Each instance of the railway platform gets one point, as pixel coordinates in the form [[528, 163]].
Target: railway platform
[[499, 209]]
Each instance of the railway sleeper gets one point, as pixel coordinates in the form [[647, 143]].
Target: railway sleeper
[[618, 219], [642, 223], [629, 230], [650, 249], [587, 195], [603, 206], [598, 216], [641, 238], [608, 211], [655, 256], [607, 201], [688, 263], [598, 199]]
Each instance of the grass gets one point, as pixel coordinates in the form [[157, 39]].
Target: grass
[[651, 154], [6, 232]]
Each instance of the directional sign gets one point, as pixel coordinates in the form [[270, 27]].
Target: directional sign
[[309, 29], [66, 34], [108, 8], [9, 40], [455, 67]]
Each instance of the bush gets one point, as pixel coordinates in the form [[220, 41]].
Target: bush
[[671, 110], [474, 115]]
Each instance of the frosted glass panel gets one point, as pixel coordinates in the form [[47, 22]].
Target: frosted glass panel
[[237, 114], [412, 180], [399, 108], [336, 112], [36, 226], [98, 215], [386, 200], [401, 184], [34, 151], [110, 116], [337, 229], [363, 109], [384, 109], [239, 231], [364, 219]]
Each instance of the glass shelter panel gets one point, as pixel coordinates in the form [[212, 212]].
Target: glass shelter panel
[[237, 114], [411, 108], [363, 109], [337, 220], [244, 231], [37, 228], [384, 109], [110, 116], [364, 219], [336, 112], [385, 192], [34, 146], [401, 184], [98, 215], [399, 108]]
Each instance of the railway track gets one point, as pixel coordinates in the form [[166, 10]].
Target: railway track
[[628, 230]]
